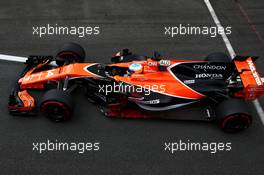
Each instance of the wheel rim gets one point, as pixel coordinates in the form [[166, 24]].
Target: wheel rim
[[56, 111], [236, 122]]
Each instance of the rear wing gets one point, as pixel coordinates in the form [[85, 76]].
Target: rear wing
[[252, 81]]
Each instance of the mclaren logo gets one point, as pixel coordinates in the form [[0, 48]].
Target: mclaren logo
[[209, 67], [254, 72]]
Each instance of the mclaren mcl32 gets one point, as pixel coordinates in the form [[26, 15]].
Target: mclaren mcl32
[[136, 86]]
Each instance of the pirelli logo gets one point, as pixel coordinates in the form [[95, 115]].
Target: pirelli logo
[[254, 72]]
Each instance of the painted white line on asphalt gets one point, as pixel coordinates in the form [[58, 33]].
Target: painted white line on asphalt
[[232, 53], [259, 110], [218, 24], [12, 58]]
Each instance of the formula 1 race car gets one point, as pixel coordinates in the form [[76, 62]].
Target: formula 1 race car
[[136, 86]]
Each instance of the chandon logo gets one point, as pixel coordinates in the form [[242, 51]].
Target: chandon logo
[[209, 67], [254, 72]]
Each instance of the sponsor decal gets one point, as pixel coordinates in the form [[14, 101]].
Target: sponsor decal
[[254, 72], [209, 67], [205, 75], [40, 57], [152, 63], [156, 101], [189, 81], [165, 62]]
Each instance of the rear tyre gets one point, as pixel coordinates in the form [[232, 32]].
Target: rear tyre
[[232, 116], [70, 53], [218, 57], [57, 105]]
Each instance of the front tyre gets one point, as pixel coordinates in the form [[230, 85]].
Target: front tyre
[[233, 116], [70, 53], [57, 105]]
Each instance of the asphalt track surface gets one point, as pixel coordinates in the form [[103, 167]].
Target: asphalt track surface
[[127, 146]]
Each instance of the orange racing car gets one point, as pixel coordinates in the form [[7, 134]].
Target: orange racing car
[[136, 86]]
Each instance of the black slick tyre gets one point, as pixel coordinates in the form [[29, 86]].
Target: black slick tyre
[[233, 116], [70, 53], [57, 105]]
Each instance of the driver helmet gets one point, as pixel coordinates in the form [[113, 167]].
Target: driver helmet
[[135, 68]]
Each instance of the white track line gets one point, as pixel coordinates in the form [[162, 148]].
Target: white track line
[[232, 53], [218, 24], [12, 58], [259, 110]]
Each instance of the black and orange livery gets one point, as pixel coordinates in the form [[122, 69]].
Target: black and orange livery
[[216, 86]]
